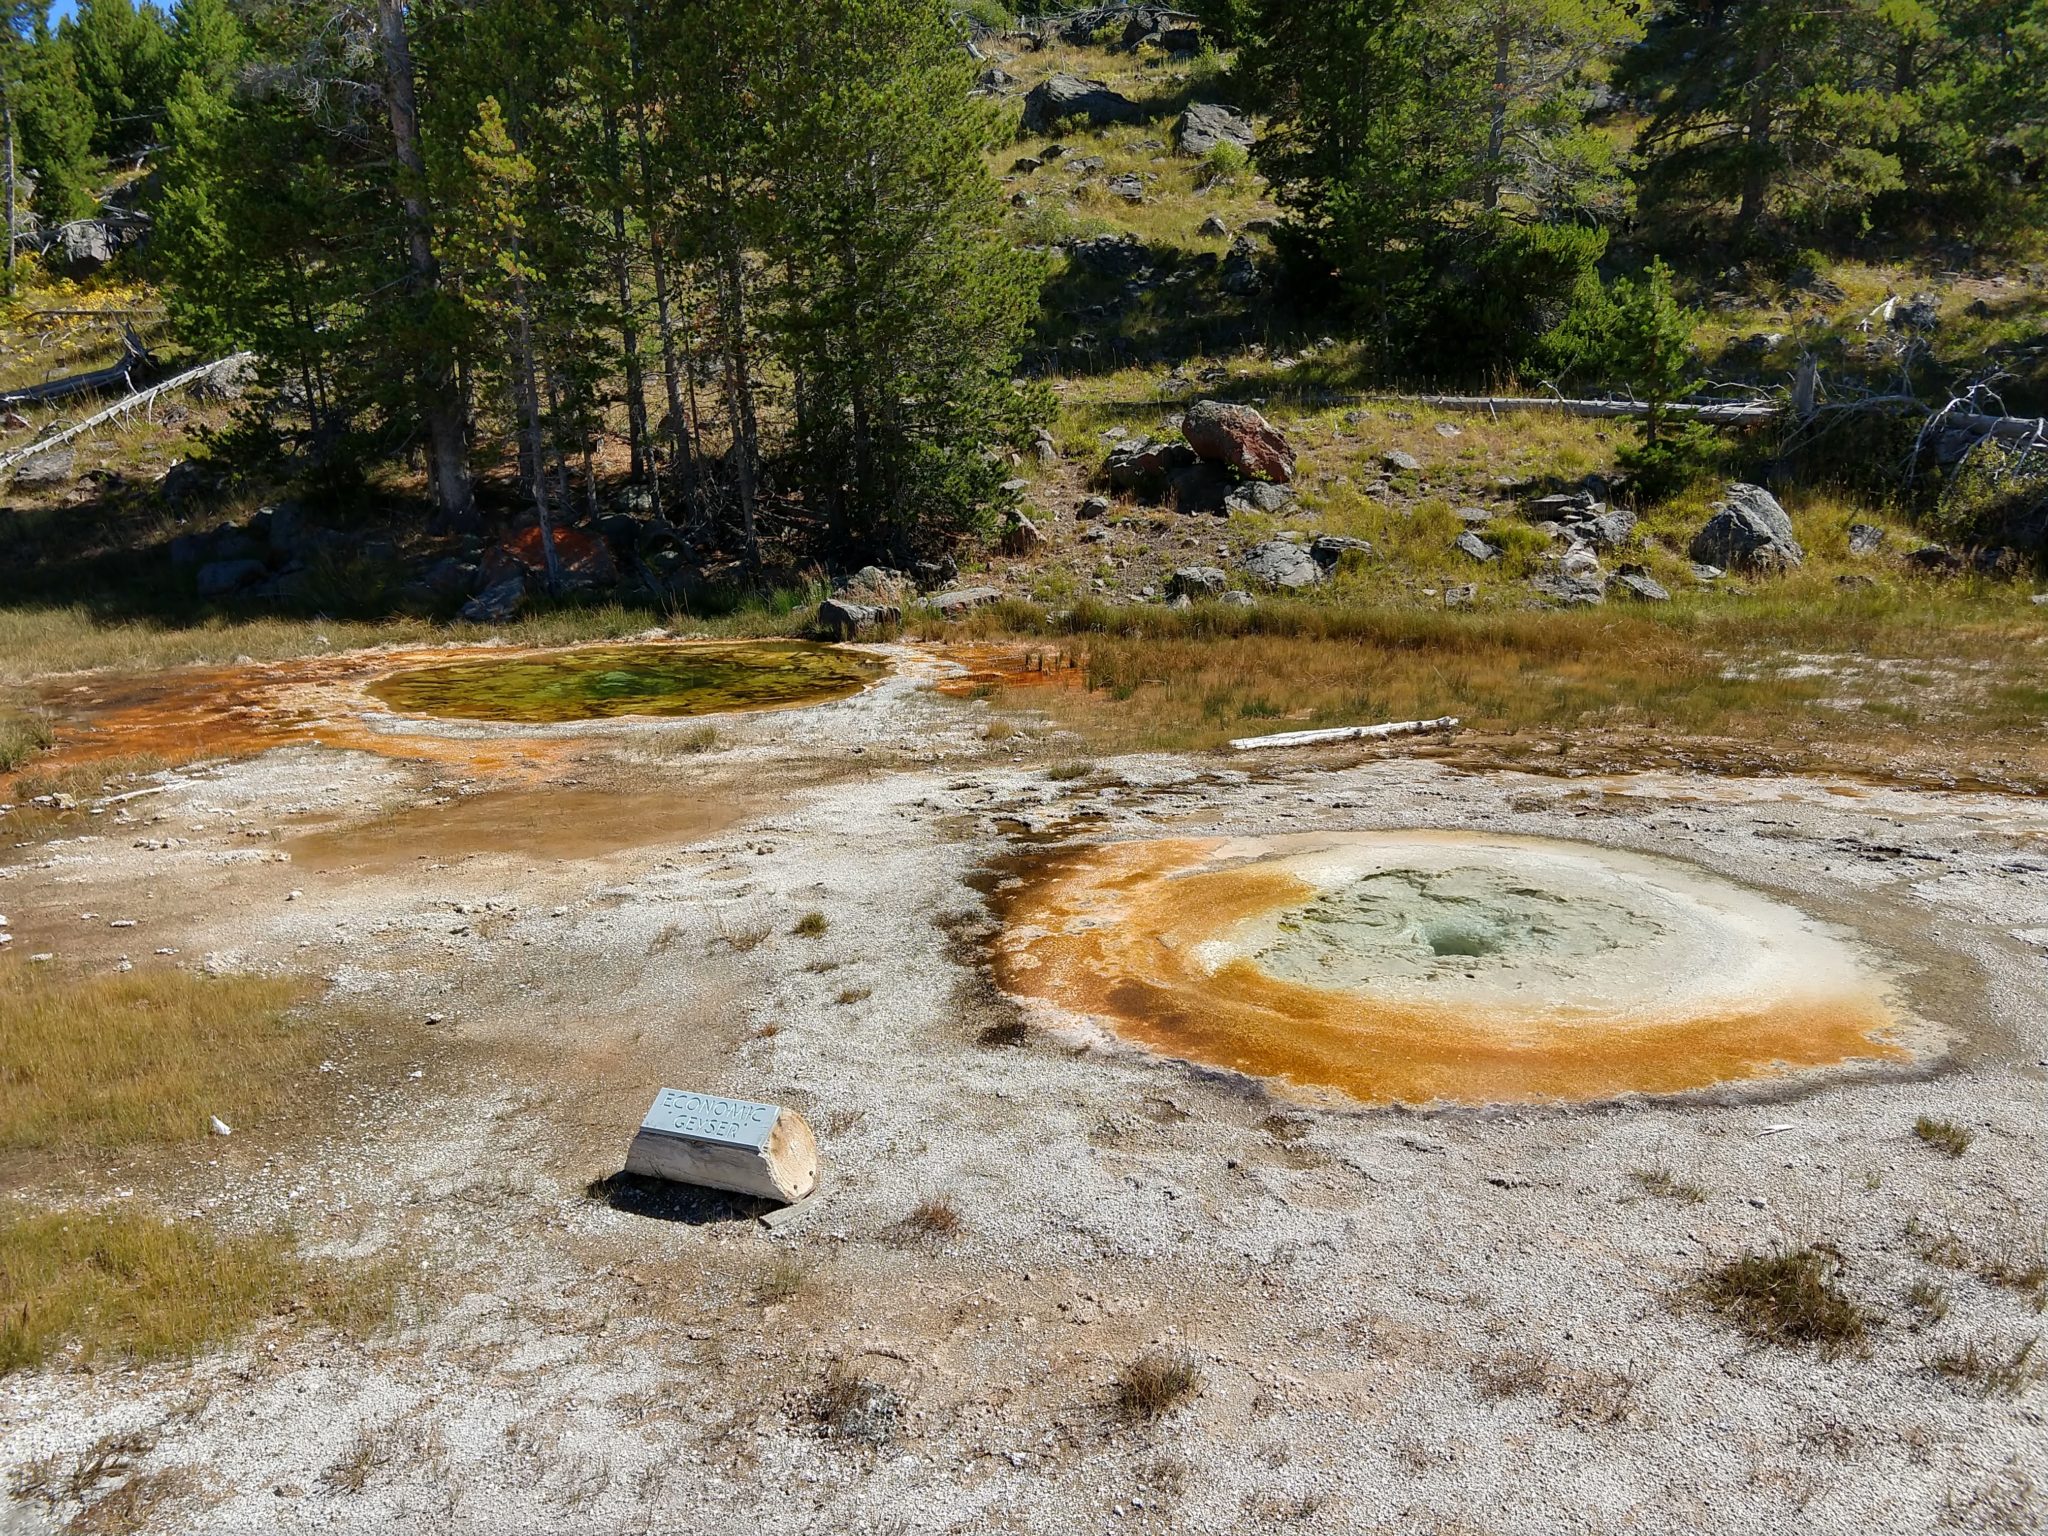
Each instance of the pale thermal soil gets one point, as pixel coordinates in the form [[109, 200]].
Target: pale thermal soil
[[1466, 1321]]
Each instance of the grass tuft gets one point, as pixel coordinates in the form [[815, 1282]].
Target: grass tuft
[[1791, 1298], [1944, 1135], [811, 925], [1154, 1384]]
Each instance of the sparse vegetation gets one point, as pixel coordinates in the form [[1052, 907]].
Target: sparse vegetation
[[811, 925], [1929, 1302], [128, 1285], [1991, 1372], [1516, 1373], [1066, 773], [1792, 1298], [1154, 1384], [23, 733], [1660, 1181], [934, 1217], [848, 1406], [1943, 1135], [850, 995], [149, 1056], [781, 1280]]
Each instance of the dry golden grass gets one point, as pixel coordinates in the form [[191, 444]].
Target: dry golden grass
[[149, 1056], [1877, 677], [128, 1285]]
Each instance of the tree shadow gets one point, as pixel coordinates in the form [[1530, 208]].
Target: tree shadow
[[660, 1200]]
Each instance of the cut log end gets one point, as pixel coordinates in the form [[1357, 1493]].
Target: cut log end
[[738, 1145]]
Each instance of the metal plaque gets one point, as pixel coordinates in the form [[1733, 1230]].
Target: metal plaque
[[707, 1117]]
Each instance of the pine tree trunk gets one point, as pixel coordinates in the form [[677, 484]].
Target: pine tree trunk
[[536, 445], [1756, 149], [629, 329], [13, 213], [739, 384], [441, 403]]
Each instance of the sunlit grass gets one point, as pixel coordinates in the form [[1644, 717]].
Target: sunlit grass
[[149, 1056], [131, 1286]]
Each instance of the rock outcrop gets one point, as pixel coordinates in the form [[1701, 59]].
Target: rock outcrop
[[1282, 566], [1067, 97], [1206, 124]]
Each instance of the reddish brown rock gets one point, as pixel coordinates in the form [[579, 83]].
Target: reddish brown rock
[[1239, 436]]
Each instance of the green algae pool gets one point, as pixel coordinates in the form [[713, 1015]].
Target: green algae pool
[[604, 682]]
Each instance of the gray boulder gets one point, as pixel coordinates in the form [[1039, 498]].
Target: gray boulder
[[496, 604], [1259, 496], [84, 245], [1213, 228], [1401, 462], [1066, 97], [59, 466], [1206, 124], [1748, 531], [1610, 530], [1129, 186], [1636, 582], [1865, 538], [1285, 567], [1240, 276], [1093, 507], [1198, 581], [1567, 590], [224, 577], [1330, 549], [1144, 466], [961, 600], [846, 620], [1469, 543]]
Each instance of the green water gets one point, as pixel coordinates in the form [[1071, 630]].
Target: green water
[[608, 681]]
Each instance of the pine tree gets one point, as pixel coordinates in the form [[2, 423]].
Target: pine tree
[[123, 54], [900, 308], [1762, 103], [54, 125], [207, 40]]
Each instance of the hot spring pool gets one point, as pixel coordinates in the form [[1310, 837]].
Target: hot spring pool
[[605, 682], [1443, 967]]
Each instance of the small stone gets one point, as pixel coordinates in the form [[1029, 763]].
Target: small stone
[[1093, 507], [1865, 538], [218, 1126], [1461, 596], [1401, 462]]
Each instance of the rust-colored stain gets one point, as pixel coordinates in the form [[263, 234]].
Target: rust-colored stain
[[188, 714], [991, 667], [1113, 932]]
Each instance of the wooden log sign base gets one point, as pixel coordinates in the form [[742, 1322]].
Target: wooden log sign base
[[735, 1144]]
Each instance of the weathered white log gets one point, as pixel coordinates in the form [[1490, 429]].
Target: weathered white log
[[1720, 413], [1344, 733], [140, 397], [721, 1143]]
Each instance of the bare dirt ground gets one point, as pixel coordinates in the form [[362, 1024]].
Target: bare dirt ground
[[1469, 1321]]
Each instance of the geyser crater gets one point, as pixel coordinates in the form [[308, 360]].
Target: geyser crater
[[1445, 967]]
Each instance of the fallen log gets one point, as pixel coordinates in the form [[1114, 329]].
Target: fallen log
[[120, 407], [721, 1143], [1344, 733], [1729, 413], [133, 356]]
